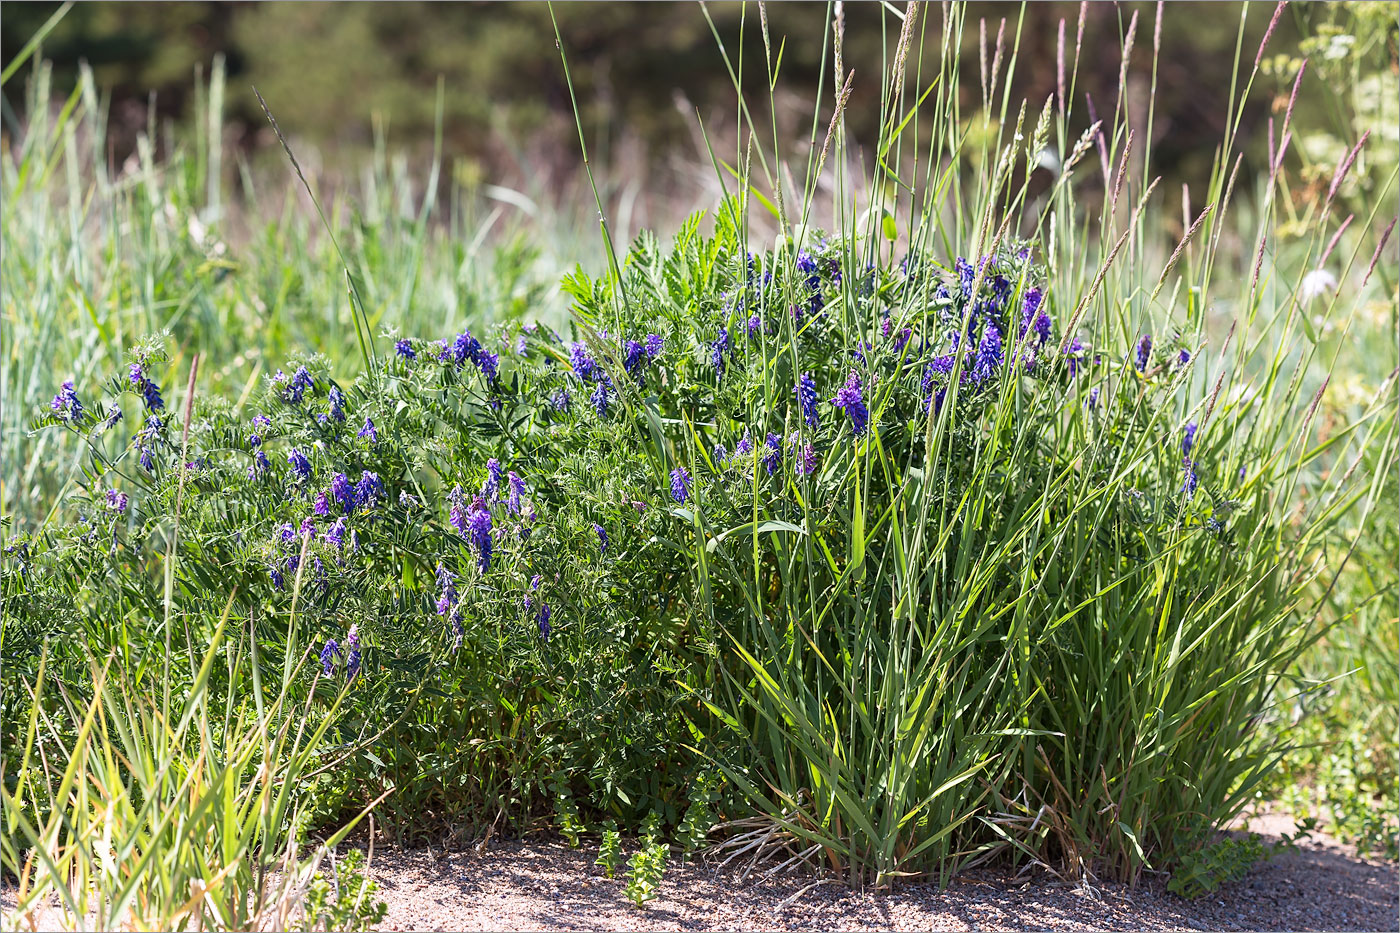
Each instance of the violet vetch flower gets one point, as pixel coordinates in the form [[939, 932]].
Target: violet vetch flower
[[717, 350], [806, 392], [584, 366], [368, 432], [599, 398], [1093, 398], [1042, 329], [336, 404], [329, 654], [301, 381], [560, 400], [744, 447], [772, 453], [116, 501], [405, 350], [721, 455], [343, 492], [966, 273], [150, 392], [447, 586], [322, 506], [680, 484], [806, 460], [335, 535], [1144, 352], [479, 534], [602, 537], [491, 488], [463, 347], [66, 403], [1188, 439], [543, 620], [1189, 484], [633, 355], [489, 364], [988, 354], [150, 395], [146, 439], [754, 326], [369, 490], [457, 510], [1074, 355], [654, 346], [308, 527], [299, 464], [113, 417], [352, 652], [517, 489], [260, 465], [1183, 357], [851, 399]]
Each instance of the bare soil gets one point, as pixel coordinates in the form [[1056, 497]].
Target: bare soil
[[1321, 885], [545, 885]]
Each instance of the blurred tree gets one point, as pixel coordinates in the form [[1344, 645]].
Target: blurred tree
[[325, 68]]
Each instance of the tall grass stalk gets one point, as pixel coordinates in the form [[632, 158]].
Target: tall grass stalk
[[166, 817]]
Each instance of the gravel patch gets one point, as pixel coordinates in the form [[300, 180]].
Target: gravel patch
[[547, 886]]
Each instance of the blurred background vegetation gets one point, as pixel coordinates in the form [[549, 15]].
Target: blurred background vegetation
[[334, 72]]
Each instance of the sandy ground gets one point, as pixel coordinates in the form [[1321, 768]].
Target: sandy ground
[[548, 886]]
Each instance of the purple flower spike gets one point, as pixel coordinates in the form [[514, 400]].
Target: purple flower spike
[[116, 501], [479, 533], [352, 653], [717, 351], [1144, 352], [299, 464], [772, 453], [680, 484], [343, 492], [329, 654], [491, 488], [1188, 485], [851, 399], [66, 403], [517, 489], [807, 400]]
